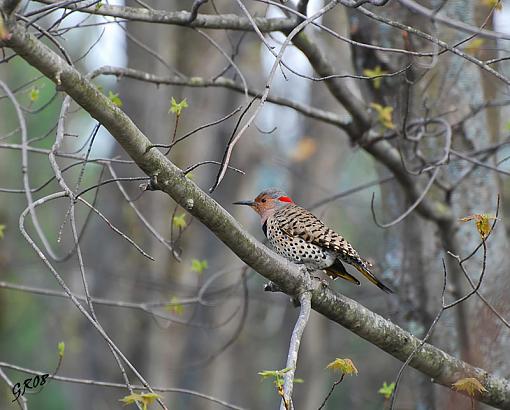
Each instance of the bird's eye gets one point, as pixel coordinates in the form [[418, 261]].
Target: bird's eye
[[263, 200]]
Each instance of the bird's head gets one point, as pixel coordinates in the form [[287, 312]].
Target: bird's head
[[267, 202]]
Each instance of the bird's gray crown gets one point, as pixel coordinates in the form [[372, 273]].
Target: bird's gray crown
[[274, 193]]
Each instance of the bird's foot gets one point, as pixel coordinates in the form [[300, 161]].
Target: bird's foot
[[271, 287], [324, 283]]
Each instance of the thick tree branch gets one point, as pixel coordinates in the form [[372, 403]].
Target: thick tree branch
[[183, 18], [440, 366]]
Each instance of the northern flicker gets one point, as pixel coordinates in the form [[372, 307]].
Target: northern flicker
[[298, 235]]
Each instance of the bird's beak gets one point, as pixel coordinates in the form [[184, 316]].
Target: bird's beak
[[249, 203]]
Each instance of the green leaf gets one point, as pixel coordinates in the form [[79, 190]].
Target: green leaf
[[384, 115], [145, 399], [2, 229], [387, 390], [176, 107], [179, 221], [376, 74], [99, 5], [34, 94], [345, 366], [61, 349], [175, 306], [198, 266], [114, 98]]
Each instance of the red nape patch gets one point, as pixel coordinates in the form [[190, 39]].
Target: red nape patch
[[285, 199]]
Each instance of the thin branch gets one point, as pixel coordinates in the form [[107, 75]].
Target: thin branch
[[448, 21], [295, 341], [90, 382], [331, 391], [410, 208], [182, 18]]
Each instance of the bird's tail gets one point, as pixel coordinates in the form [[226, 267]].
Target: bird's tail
[[337, 270], [363, 268]]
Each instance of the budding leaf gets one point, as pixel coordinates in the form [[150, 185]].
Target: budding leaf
[[198, 266], [273, 373], [482, 223], [179, 221], [145, 399], [386, 390], [61, 349], [345, 366], [2, 229], [175, 306], [470, 385], [376, 74], [176, 107], [384, 115], [34, 94], [114, 98]]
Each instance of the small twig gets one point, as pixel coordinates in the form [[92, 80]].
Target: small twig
[[305, 299], [194, 166], [331, 391], [194, 10], [410, 209]]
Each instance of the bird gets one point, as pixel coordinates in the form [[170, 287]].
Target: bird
[[299, 236]]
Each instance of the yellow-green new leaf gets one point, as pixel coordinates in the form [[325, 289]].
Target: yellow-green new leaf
[[179, 221], [34, 94], [198, 266], [114, 98], [2, 229], [145, 399], [175, 306], [265, 374], [61, 349], [386, 390], [345, 366], [470, 385], [384, 115], [176, 107], [375, 74]]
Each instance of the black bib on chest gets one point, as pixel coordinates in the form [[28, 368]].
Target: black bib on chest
[[264, 228]]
